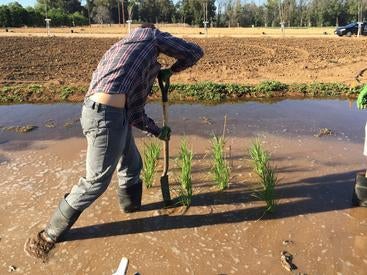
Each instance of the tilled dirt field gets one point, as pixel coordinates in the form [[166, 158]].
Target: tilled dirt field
[[235, 60]]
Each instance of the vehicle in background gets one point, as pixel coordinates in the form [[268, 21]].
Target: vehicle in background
[[351, 29]]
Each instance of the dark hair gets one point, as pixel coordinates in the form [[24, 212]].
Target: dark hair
[[147, 25]]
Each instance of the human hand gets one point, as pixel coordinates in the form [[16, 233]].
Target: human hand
[[165, 133], [362, 98]]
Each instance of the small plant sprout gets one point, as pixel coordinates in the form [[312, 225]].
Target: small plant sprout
[[150, 162], [220, 168], [185, 164], [259, 156], [267, 175]]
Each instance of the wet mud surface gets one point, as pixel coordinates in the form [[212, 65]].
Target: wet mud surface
[[67, 61], [222, 232]]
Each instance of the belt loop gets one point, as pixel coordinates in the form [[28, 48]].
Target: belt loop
[[98, 107], [93, 104]]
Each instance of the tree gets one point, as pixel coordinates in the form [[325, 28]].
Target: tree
[[34, 18], [157, 11], [5, 16], [101, 11], [58, 17], [71, 6], [272, 12], [68, 6], [251, 14], [131, 5], [18, 14], [102, 15], [193, 13]]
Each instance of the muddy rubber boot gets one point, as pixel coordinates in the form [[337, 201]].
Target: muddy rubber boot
[[360, 191], [61, 221], [130, 197], [63, 218]]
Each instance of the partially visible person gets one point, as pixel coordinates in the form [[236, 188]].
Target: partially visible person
[[113, 104], [360, 188]]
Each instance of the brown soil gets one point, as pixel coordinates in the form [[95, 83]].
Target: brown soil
[[222, 232], [237, 60]]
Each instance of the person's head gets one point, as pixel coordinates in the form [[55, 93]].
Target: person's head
[[147, 25]]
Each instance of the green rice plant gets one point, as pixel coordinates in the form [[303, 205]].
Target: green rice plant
[[259, 156], [150, 161], [267, 175], [220, 168], [185, 164]]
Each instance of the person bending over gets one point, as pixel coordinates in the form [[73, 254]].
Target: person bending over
[[113, 104]]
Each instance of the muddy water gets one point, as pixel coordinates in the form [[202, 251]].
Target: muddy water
[[222, 232]]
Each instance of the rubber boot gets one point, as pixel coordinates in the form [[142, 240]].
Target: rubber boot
[[130, 197], [63, 218], [360, 191], [40, 245]]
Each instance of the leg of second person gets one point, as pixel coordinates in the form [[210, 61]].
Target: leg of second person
[[128, 172]]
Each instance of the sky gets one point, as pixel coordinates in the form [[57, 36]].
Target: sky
[[26, 3]]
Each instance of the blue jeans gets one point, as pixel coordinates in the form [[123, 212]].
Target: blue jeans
[[110, 145]]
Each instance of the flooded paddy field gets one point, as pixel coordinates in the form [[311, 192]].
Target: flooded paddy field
[[222, 232]]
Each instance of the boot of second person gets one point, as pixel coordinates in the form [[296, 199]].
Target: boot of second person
[[130, 197]]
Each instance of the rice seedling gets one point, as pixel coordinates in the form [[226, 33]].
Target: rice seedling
[[220, 168], [259, 156], [185, 164], [151, 154], [267, 175]]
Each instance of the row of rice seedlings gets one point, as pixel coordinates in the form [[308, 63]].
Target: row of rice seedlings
[[220, 168], [185, 179], [151, 153], [267, 175]]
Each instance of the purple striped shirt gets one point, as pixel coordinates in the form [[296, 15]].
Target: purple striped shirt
[[130, 67]]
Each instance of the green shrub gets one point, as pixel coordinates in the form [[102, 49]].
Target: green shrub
[[268, 87], [35, 88], [65, 93]]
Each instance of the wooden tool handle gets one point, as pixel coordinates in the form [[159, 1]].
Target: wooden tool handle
[[166, 142]]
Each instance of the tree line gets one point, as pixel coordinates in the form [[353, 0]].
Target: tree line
[[218, 13]]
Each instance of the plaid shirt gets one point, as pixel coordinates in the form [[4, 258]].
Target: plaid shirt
[[130, 67]]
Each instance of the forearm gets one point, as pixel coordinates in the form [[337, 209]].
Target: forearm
[[181, 64], [144, 123], [186, 53]]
